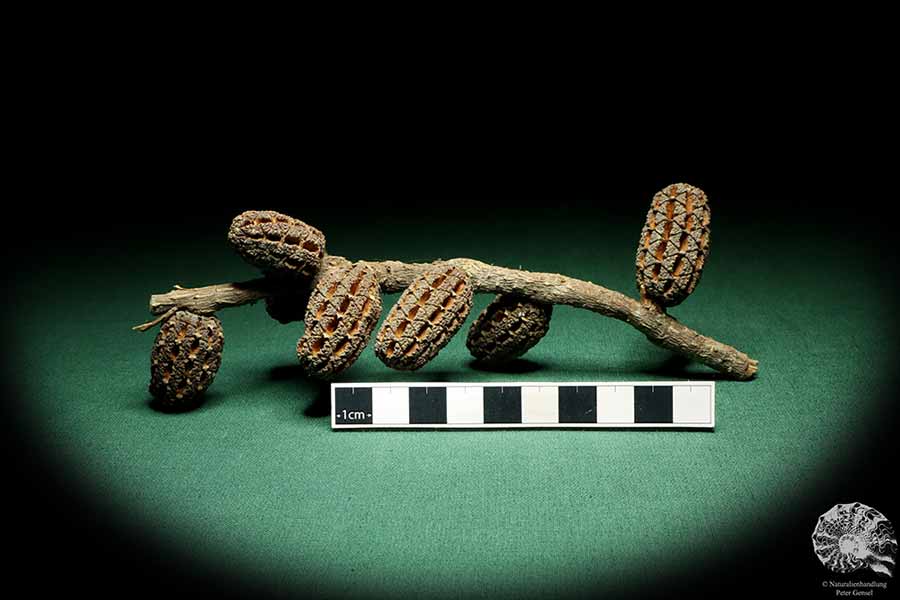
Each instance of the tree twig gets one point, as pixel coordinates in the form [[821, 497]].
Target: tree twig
[[550, 288], [156, 321]]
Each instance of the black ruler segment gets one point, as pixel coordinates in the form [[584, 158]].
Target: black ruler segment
[[578, 404], [653, 404], [353, 406], [503, 405], [680, 405], [427, 405]]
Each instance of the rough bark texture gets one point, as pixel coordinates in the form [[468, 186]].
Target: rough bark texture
[[553, 288], [674, 245], [185, 358], [343, 310], [212, 298], [280, 245], [425, 318], [507, 328], [549, 288]]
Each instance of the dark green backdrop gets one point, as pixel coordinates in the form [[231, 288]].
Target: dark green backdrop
[[253, 491]]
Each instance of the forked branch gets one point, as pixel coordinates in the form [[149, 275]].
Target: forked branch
[[548, 288]]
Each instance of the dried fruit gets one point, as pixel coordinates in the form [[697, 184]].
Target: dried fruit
[[342, 312], [185, 357], [278, 244], [507, 328], [674, 244], [673, 248], [427, 315]]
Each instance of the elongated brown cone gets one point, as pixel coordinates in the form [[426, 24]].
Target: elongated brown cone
[[507, 328], [674, 245], [342, 312], [184, 360], [424, 319], [280, 245]]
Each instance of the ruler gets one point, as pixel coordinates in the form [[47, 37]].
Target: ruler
[[676, 405]]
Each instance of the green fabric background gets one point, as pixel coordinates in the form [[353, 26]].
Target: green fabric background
[[255, 482]]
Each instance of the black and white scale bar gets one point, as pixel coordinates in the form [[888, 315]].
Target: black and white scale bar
[[679, 405]]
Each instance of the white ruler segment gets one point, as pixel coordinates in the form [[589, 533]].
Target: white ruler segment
[[617, 404]]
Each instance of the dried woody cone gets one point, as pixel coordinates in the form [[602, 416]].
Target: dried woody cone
[[284, 248], [185, 357], [437, 297], [342, 312], [507, 328], [427, 315], [280, 245], [674, 245]]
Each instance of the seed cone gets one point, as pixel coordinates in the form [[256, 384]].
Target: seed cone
[[343, 310], [674, 244], [278, 244], [185, 357], [427, 315], [507, 328]]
